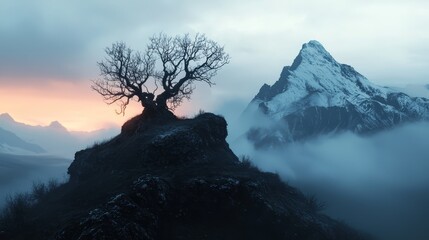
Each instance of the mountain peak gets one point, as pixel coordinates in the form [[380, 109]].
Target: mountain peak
[[314, 44], [7, 117], [318, 95], [57, 125], [313, 53], [314, 69], [315, 47]]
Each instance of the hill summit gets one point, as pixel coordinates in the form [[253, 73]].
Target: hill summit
[[174, 179]]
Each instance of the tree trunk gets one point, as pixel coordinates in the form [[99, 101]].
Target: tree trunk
[[146, 100], [161, 100], [157, 109]]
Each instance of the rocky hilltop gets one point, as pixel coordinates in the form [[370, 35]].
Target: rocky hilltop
[[317, 95], [177, 179]]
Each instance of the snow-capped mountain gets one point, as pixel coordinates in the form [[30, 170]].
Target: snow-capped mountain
[[317, 95]]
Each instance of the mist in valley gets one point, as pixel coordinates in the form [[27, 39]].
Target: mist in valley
[[19, 172], [377, 183]]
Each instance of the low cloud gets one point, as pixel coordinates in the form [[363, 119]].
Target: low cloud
[[377, 183], [18, 173], [414, 90]]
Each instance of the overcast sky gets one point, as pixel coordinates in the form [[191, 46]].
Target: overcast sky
[[53, 46]]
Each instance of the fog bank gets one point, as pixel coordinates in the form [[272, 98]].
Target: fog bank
[[17, 173], [378, 183]]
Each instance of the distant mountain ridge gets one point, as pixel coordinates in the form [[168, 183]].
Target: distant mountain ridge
[[55, 138], [317, 95], [7, 120]]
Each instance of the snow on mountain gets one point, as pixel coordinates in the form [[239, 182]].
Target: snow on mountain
[[55, 138], [10, 143], [318, 95]]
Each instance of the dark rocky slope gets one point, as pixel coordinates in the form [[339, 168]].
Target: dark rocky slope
[[175, 180]]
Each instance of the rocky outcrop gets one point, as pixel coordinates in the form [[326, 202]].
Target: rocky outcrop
[[176, 180], [224, 207], [155, 144]]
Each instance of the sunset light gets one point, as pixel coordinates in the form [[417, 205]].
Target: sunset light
[[274, 119], [74, 105]]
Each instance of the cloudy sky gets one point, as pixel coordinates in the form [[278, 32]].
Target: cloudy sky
[[49, 48]]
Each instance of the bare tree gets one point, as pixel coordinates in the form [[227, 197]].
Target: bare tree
[[126, 75], [167, 69]]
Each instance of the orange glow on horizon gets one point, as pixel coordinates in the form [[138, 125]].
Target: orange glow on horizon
[[74, 104]]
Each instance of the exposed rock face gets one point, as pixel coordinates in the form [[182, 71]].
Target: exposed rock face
[[132, 216], [177, 180], [154, 145], [224, 207], [318, 95]]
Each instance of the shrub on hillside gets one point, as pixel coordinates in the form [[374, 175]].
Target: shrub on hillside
[[13, 216]]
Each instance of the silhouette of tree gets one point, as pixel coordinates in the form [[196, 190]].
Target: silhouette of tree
[[162, 76]]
